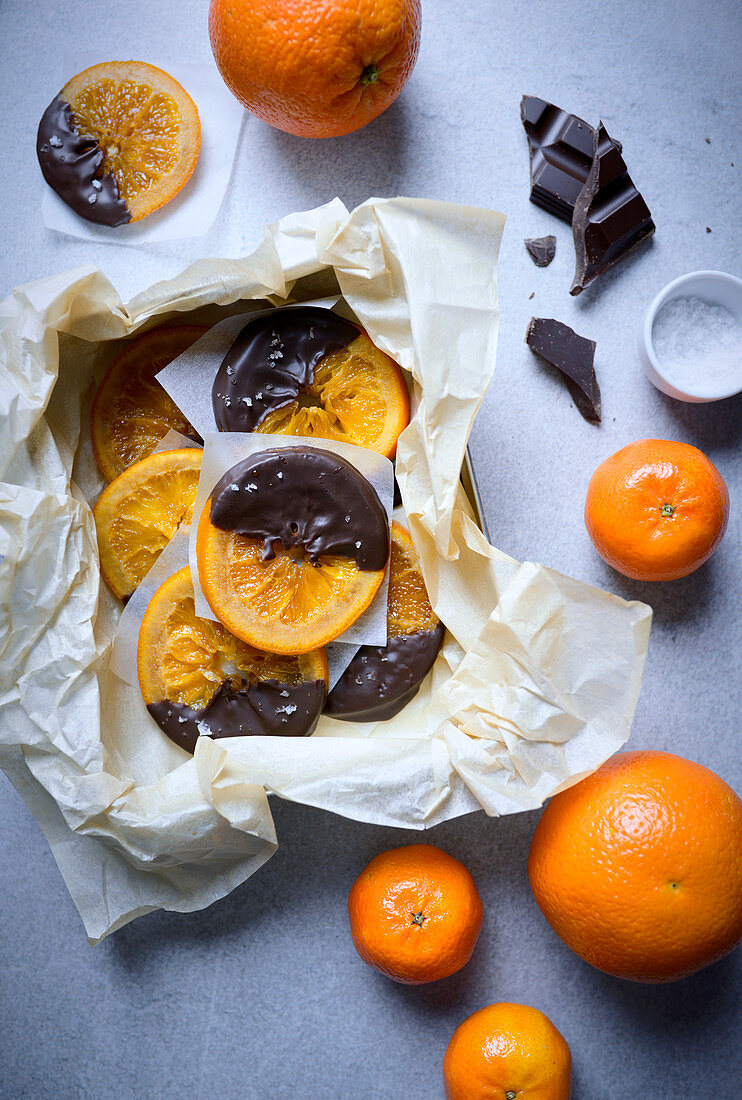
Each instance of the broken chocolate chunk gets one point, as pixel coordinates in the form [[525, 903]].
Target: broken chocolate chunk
[[541, 249], [573, 356], [610, 218], [561, 151]]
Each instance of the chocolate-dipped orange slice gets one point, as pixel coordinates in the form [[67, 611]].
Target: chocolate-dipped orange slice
[[140, 511], [131, 411], [119, 141], [306, 371], [292, 547], [381, 680], [198, 679]]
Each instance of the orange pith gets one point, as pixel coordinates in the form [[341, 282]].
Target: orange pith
[[186, 659], [656, 510], [507, 1052], [358, 396], [415, 914], [287, 604], [408, 608], [140, 511], [314, 68], [146, 124], [131, 411], [638, 868]]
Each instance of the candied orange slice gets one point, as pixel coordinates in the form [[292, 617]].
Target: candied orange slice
[[358, 395], [146, 125], [184, 660], [131, 411], [408, 608], [287, 604], [140, 511]]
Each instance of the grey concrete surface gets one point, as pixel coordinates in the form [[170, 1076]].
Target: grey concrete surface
[[262, 997]]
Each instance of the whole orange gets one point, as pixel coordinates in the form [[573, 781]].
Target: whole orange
[[315, 68], [656, 509], [507, 1052], [638, 868], [415, 914]]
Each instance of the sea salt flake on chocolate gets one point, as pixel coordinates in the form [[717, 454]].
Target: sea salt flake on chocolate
[[573, 356]]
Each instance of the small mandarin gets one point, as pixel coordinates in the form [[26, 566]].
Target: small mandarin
[[415, 914], [656, 510], [507, 1052], [638, 868]]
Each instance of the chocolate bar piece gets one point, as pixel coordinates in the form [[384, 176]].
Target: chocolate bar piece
[[542, 250], [561, 151], [573, 356], [610, 218]]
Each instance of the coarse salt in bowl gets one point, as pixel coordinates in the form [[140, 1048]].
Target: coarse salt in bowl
[[691, 338]]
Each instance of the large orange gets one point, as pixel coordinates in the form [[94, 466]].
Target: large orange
[[638, 868], [415, 914], [315, 68], [507, 1052], [656, 509]]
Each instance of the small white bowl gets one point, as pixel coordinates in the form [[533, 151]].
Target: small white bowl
[[718, 289]]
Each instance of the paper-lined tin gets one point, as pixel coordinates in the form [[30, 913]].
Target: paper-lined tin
[[536, 682]]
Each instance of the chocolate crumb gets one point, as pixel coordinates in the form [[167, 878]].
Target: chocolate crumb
[[541, 249]]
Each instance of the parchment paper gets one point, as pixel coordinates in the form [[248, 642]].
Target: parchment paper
[[537, 680]]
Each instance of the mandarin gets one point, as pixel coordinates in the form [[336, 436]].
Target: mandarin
[[315, 68], [508, 1052], [656, 510], [415, 914], [638, 868]]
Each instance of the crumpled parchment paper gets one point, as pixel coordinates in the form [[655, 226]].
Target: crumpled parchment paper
[[536, 683]]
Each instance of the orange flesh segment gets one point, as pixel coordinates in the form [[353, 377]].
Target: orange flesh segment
[[185, 659], [358, 396]]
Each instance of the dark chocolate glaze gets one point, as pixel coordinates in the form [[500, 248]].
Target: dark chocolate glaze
[[306, 497], [573, 356], [71, 164], [381, 680], [561, 152], [264, 709], [610, 218], [272, 361]]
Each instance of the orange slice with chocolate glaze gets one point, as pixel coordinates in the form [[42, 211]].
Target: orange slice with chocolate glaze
[[306, 371], [292, 547], [198, 679], [119, 141]]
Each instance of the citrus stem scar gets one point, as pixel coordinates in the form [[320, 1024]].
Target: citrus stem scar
[[369, 75], [510, 1095], [668, 509], [418, 918]]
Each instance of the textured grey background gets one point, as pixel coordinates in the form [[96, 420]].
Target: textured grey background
[[262, 996]]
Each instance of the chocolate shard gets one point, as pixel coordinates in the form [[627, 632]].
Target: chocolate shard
[[610, 218], [561, 152], [573, 357], [542, 250]]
